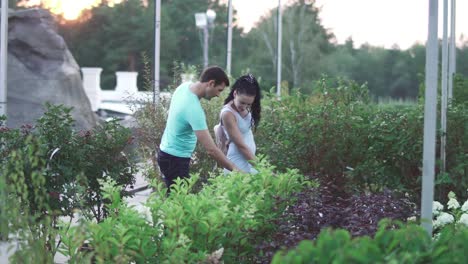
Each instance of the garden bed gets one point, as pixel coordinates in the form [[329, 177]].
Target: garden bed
[[333, 206]]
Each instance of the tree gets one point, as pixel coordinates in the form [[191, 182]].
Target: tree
[[114, 37], [111, 38], [305, 42]]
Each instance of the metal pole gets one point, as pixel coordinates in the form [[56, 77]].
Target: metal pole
[[278, 66], [430, 117], [452, 50], [205, 46], [4, 229], [443, 105], [157, 48], [3, 57], [229, 39]]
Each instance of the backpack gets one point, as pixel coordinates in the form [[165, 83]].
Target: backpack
[[221, 138]]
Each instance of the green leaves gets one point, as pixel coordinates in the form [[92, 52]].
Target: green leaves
[[393, 243], [230, 212], [339, 132], [50, 170]]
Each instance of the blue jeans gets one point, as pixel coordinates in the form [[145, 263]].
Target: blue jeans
[[172, 167]]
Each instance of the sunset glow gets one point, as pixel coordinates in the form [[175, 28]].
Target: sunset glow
[[68, 9]]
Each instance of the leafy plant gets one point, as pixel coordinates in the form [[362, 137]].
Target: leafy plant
[[338, 132], [72, 162], [125, 235], [393, 243], [228, 215], [25, 212], [455, 214], [403, 244]]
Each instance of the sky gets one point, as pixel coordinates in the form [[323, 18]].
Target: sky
[[378, 22]]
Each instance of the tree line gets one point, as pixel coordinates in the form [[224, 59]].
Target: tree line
[[114, 38]]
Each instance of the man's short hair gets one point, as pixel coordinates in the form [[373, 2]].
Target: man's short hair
[[214, 73]]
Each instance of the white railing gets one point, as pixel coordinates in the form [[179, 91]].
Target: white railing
[[120, 99]]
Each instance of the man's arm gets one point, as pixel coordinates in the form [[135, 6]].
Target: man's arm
[[205, 139]]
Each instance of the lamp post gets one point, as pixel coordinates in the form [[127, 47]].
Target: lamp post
[[229, 39], [278, 64], [430, 117], [3, 57], [205, 21], [157, 48]]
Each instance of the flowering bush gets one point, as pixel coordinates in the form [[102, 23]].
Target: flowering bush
[[455, 213]]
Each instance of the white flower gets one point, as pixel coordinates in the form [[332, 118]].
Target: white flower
[[443, 219], [437, 208], [411, 219], [465, 206], [453, 204], [463, 219]]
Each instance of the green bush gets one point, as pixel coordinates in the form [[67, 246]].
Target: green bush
[[460, 93], [456, 177], [405, 244], [366, 146], [72, 162], [25, 212], [393, 243], [125, 235], [225, 219], [306, 132]]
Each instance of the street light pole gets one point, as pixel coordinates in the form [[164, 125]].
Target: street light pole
[[443, 103], [452, 50], [229, 39], [205, 21], [3, 57], [157, 47], [430, 117], [278, 66], [205, 46]]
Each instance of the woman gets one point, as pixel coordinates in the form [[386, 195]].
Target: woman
[[241, 113]]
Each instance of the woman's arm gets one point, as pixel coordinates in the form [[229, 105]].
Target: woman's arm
[[230, 123], [207, 142]]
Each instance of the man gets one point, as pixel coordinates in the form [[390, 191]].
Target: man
[[186, 123]]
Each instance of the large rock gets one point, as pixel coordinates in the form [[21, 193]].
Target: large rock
[[41, 69]]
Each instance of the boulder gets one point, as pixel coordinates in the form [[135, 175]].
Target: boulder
[[41, 69]]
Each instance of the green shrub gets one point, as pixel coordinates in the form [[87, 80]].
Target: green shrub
[[403, 244], [391, 149], [72, 162], [231, 212], [393, 243], [25, 213], [307, 132], [451, 246], [123, 236], [456, 177], [338, 132], [225, 219], [460, 93]]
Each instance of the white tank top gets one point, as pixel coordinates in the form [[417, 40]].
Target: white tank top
[[234, 155]]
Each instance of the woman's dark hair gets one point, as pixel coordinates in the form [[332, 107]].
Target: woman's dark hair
[[248, 85]]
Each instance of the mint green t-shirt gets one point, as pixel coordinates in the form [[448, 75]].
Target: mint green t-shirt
[[185, 116]]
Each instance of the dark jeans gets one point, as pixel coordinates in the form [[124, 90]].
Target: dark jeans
[[172, 167]]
